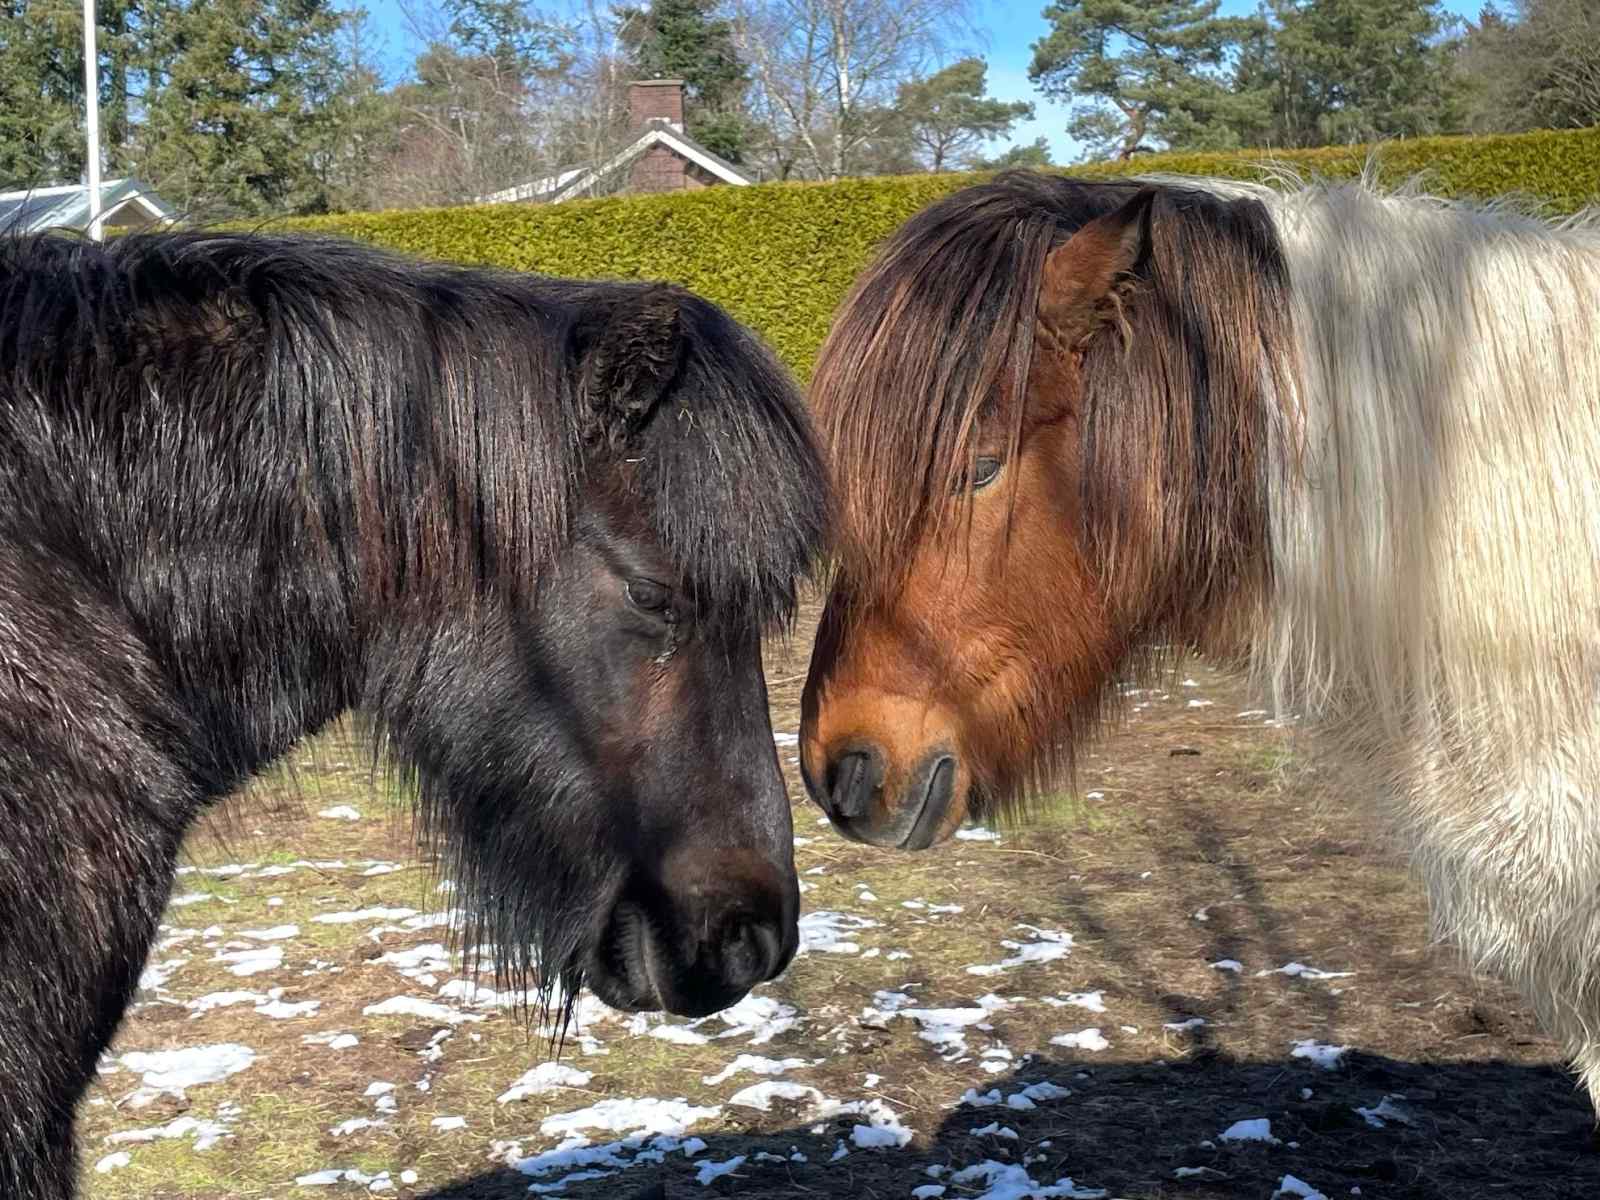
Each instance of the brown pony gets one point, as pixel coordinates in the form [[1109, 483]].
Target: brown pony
[[1024, 510], [1351, 438]]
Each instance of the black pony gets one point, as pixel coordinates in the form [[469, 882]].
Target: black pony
[[529, 529]]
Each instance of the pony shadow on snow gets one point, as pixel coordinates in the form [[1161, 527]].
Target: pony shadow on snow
[[1392, 1129]]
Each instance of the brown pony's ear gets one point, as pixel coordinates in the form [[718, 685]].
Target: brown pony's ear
[[631, 364], [1081, 274]]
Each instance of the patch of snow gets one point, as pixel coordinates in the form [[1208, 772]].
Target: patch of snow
[[994, 1129], [430, 957], [206, 1134], [1385, 1111], [943, 1026], [828, 932], [1093, 1001], [1290, 1186], [1228, 964], [1298, 969], [647, 1115], [446, 1124], [761, 1095], [546, 1077], [276, 934], [1326, 1057], [760, 1018], [713, 1170], [364, 914], [340, 812], [1084, 1039], [1008, 1181], [154, 977], [1047, 945], [410, 1006], [976, 833], [678, 1035], [1184, 1026], [756, 1065], [1256, 1129], [173, 1071], [112, 1162], [354, 1125], [251, 962]]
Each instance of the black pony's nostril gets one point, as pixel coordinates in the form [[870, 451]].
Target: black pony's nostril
[[752, 950], [852, 778]]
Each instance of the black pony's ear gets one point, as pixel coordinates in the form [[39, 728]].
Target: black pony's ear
[[630, 365]]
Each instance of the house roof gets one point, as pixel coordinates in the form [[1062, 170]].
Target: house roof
[[565, 184], [67, 206]]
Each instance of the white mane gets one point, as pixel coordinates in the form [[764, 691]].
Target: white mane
[[1435, 525]]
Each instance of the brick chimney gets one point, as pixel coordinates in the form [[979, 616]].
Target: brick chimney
[[658, 169], [656, 100]]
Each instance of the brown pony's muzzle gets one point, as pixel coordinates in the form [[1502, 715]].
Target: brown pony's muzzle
[[885, 768]]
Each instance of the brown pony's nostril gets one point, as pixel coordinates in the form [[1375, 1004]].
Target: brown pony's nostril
[[937, 779], [852, 778]]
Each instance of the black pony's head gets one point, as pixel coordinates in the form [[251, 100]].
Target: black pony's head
[[595, 749], [531, 529]]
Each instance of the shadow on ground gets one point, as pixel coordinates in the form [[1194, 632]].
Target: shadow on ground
[[1456, 1131]]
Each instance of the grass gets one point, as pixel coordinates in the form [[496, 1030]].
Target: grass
[[1233, 833]]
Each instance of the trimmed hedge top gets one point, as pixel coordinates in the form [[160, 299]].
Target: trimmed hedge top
[[780, 256]]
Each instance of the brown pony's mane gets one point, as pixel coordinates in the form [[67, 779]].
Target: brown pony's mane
[[1178, 410]]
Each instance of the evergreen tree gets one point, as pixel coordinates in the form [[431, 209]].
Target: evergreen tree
[[41, 85], [240, 103], [1340, 71], [1535, 66], [687, 40], [1035, 154], [946, 116], [1143, 73]]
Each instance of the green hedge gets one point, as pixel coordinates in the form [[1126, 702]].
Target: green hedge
[[1559, 169], [781, 256]]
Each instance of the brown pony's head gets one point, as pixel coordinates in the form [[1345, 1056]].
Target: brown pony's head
[[1047, 407]]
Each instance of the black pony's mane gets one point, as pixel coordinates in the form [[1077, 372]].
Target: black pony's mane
[[450, 400]]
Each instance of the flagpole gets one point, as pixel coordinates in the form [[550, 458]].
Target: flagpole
[[91, 92]]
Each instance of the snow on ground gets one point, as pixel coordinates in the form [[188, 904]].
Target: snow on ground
[[975, 1037], [1046, 945], [173, 1072]]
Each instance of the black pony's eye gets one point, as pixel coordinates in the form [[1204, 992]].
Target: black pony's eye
[[647, 595], [984, 472]]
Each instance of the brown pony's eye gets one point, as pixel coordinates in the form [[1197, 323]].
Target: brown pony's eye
[[648, 596], [984, 472]]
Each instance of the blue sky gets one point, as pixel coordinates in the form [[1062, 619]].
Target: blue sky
[[1008, 29], [1013, 26]]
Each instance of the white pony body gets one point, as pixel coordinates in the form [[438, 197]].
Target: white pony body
[[1434, 613]]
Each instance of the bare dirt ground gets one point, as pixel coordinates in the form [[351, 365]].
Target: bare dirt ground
[[1200, 978]]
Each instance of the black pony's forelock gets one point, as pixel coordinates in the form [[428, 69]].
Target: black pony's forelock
[[733, 416]]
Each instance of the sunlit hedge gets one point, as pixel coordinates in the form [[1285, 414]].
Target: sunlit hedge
[[780, 256]]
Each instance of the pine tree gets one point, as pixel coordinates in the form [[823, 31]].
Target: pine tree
[[1340, 71], [946, 116], [1143, 74]]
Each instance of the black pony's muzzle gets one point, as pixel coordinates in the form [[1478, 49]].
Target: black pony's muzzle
[[697, 939]]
